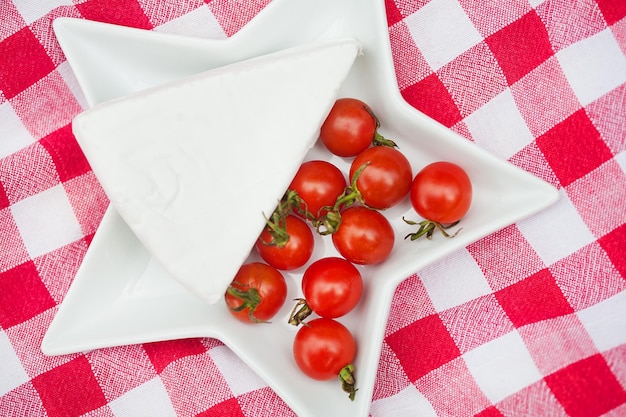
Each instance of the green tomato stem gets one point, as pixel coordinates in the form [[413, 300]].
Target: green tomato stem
[[300, 312], [428, 228], [250, 299], [348, 382]]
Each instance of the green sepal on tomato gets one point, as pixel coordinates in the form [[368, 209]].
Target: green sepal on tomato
[[317, 184], [257, 293], [294, 250]]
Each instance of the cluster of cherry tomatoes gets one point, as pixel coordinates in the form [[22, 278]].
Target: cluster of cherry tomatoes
[[320, 200]]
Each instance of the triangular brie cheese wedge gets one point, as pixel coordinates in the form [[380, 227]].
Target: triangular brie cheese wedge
[[193, 166]]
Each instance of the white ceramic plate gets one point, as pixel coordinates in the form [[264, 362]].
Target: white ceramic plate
[[122, 296]]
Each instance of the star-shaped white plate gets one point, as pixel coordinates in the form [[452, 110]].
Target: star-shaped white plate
[[122, 296]]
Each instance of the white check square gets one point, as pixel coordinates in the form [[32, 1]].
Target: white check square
[[502, 366], [15, 136], [46, 221], [606, 322], [407, 403], [442, 31], [32, 11], [200, 22], [557, 231], [593, 66], [240, 378], [499, 127], [446, 290], [13, 374], [149, 399]]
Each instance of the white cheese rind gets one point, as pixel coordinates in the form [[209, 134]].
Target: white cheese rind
[[192, 166]]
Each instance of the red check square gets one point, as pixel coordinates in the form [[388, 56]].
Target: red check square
[[423, 346], [23, 62], [587, 388], [4, 199], [22, 295], [120, 12], [573, 148], [393, 14], [161, 354], [613, 244], [66, 154], [612, 10], [521, 46], [490, 412], [69, 390], [533, 299], [431, 97]]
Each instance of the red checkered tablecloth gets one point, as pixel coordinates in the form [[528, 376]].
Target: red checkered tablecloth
[[529, 321]]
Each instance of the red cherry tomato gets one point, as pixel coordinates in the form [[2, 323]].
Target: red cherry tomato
[[257, 293], [318, 183], [385, 180], [349, 128], [364, 236], [332, 287], [322, 348], [296, 251], [441, 192]]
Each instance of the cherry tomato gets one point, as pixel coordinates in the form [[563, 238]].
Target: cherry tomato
[[323, 348], [349, 128], [296, 251], [318, 183], [257, 293], [364, 236], [441, 192], [332, 287], [385, 180]]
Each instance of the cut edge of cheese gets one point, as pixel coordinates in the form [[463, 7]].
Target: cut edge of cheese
[[193, 166]]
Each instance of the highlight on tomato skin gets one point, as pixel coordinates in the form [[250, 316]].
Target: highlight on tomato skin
[[257, 293]]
